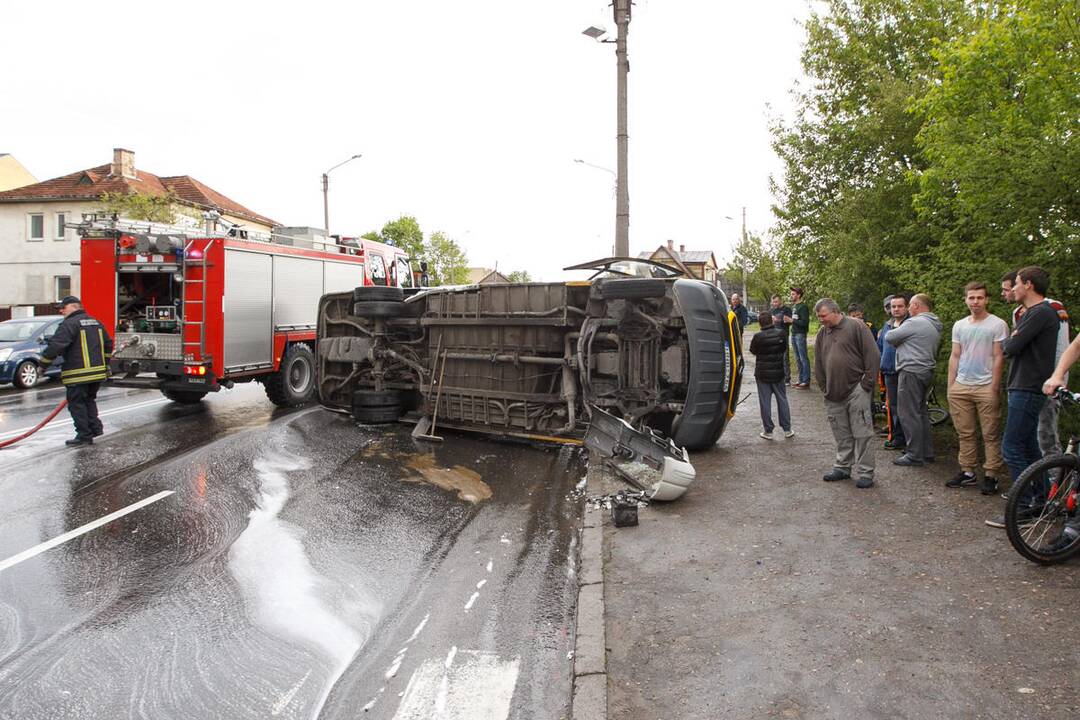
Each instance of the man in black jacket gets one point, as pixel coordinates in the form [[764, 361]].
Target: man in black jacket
[[770, 349], [85, 346]]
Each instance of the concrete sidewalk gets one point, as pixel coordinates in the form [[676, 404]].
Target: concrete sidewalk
[[765, 592]]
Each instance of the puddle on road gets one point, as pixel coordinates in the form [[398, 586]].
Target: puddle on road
[[465, 481]]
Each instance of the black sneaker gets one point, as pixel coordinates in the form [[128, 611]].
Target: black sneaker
[[864, 482], [99, 433], [834, 475], [989, 485], [962, 479], [79, 441], [890, 445]]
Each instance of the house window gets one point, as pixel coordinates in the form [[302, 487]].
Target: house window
[[61, 286], [61, 226], [35, 226]]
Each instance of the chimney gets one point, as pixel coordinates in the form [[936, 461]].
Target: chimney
[[671, 245], [682, 249], [123, 164]]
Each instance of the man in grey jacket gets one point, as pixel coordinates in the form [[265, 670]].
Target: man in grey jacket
[[916, 343]]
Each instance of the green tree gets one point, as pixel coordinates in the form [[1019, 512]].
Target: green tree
[[406, 234], [846, 219], [758, 260], [1002, 136], [519, 276], [139, 206], [447, 263]]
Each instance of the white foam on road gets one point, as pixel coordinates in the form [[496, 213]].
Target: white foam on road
[[286, 594], [61, 539], [466, 685]]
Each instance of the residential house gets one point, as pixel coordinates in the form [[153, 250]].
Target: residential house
[[485, 276], [13, 174], [700, 264], [39, 253]]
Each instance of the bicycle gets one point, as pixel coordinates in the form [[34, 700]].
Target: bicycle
[[1042, 515], [938, 414]]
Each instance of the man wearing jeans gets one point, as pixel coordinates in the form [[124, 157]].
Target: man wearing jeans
[[800, 327], [1032, 349], [889, 375], [916, 343], [975, 387], [781, 314], [846, 364]]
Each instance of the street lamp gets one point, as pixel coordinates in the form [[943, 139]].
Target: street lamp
[[325, 187], [622, 193], [742, 264], [614, 177]]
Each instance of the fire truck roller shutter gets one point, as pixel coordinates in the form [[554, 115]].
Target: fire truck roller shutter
[[249, 332], [342, 277], [298, 285]]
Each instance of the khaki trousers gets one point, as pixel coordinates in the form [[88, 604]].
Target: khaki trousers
[[966, 403]]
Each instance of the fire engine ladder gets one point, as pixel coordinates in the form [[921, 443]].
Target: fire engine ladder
[[199, 283]]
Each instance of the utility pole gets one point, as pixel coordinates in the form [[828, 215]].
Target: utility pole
[[622, 193], [325, 188], [746, 298]]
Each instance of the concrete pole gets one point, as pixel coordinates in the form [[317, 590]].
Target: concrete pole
[[746, 298], [622, 193], [326, 204]]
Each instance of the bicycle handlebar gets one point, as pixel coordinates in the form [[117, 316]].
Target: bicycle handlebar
[[1067, 397]]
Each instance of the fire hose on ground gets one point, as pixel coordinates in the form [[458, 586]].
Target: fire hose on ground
[[31, 431]]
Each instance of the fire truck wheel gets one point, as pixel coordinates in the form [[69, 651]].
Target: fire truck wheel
[[184, 397], [378, 309], [377, 293], [632, 288], [294, 382]]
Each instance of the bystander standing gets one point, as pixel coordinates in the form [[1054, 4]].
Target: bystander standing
[[781, 315], [916, 343], [846, 362], [800, 328], [768, 348], [897, 311]]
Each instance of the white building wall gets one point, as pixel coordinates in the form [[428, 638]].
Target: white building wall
[[28, 268]]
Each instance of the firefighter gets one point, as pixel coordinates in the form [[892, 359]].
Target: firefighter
[[85, 346]]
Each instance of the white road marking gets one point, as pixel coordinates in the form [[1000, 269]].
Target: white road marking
[[416, 632], [481, 584], [61, 539], [490, 565], [478, 686], [468, 605], [68, 423]]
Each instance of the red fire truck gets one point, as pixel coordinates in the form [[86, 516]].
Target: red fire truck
[[193, 312]]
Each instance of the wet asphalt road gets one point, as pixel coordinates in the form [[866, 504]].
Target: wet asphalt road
[[288, 564]]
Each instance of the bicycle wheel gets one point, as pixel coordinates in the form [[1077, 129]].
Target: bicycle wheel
[[938, 415], [1041, 515]]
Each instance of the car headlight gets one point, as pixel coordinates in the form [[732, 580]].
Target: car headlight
[[5, 354]]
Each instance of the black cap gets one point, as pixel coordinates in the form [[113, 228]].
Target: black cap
[[70, 300]]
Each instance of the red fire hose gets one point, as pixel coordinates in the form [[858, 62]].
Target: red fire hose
[[31, 431]]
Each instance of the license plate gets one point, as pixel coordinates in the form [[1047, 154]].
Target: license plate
[[197, 381]]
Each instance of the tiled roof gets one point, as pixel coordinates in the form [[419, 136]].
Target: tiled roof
[[92, 183]]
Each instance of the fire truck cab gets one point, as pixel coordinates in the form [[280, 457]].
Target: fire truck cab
[[193, 312]]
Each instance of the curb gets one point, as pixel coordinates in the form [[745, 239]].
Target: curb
[[590, 660]]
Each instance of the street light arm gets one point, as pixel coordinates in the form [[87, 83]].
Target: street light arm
[[598, 167], [354, 157]]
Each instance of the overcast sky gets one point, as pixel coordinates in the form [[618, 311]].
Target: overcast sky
[[468, 114]]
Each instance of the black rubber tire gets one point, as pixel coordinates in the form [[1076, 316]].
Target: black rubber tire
[[632, 288], [938, 415], [377, 293], [376, 398], [185, 397], [294, 382], [376, 415], [24, 368], [378, 309], [1064, 470]]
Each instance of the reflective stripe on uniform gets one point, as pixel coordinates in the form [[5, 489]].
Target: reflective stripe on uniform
[[85, 350], [82, 371]]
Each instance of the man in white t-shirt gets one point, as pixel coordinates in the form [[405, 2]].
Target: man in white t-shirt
[[975, 368]]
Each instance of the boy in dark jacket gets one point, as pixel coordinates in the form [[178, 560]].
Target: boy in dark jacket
[[770, 348]]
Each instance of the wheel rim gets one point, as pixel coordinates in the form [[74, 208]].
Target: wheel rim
[[28, 374], [299, 376], [1054, 528]]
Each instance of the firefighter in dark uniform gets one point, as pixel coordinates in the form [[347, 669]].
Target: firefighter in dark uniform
[[85, 346]]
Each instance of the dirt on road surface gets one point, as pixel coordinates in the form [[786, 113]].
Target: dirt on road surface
[[766, 592]]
